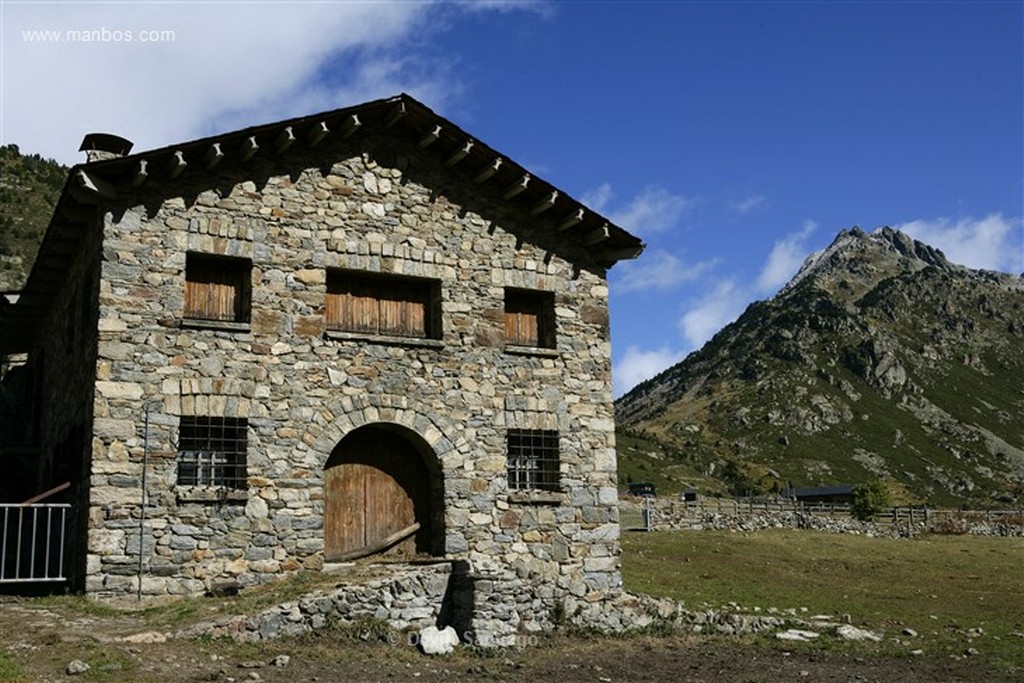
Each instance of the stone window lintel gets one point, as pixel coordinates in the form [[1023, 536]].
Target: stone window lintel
[[387, 340], [203, 324], [204, 494], [516, 350], [536, 497]]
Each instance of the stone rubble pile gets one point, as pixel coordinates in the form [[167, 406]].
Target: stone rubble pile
[[414, 599]]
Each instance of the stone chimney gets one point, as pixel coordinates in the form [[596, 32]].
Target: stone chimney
[[103, 146]]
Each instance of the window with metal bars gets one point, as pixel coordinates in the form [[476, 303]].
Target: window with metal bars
[[217, 287], [380, 304], [529, 318], [533, 459], [212, 452]]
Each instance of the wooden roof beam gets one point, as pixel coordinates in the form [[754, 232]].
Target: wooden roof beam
[[284, 140], [516, 187], [176, 164], [213, 156], [395, 115], [489, 170], [544, 204], [141, 173], [352, 123], [623, 254], [460, 154], [430, 138], [596, 235], [248, 148], [572, 219], [317, 133], [95, 187]]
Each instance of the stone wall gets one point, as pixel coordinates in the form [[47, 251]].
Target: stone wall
[[380, 207], [409, 598], [671, 515]]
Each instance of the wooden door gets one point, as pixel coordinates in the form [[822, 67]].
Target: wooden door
[[375, 486]]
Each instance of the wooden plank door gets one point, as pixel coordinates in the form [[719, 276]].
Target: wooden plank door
[[375, 485]]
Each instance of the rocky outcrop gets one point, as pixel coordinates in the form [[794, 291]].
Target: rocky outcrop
[[880, 358]]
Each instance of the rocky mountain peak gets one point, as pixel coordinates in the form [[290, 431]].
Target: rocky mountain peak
[[880, 359], [907, 246], [855, 252]]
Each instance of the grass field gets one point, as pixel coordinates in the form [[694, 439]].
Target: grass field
[[942, 587]]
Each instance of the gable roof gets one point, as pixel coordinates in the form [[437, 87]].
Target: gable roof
[[95, 184]]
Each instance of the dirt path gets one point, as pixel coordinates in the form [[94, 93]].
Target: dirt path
[[41, 637]]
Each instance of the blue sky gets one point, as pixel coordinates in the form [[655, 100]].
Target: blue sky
[[734, 137]]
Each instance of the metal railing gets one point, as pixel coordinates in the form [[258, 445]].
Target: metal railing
[[32, 544]]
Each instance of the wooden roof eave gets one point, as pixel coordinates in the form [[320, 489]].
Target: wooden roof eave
[[428, 131], [92, 185]]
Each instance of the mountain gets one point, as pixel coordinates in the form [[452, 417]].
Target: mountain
[[29, 187], [880, 359]]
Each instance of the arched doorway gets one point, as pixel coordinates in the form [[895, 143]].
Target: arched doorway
[[378, 495]]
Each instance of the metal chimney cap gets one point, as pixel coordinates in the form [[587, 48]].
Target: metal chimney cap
[[106, 142]]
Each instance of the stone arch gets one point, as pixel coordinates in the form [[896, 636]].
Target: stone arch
[[437, 440]]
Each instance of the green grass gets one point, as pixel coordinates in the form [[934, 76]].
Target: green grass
[[185, 610], [940, 586], [249, 601], [10, 670]]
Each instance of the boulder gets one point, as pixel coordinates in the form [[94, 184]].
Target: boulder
[[434, 641]]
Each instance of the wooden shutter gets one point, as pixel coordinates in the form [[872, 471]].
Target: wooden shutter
[[528, 318], [379, 304], [521, 328], [215, 288]]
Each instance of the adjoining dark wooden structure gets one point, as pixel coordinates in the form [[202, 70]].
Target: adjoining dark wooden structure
[[838, 493], [642, 488]]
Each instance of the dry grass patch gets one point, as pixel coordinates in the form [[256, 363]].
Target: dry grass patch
[[943, 587]]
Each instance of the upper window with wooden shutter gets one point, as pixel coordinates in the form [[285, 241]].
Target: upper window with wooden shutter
[[530, 318], [383, 305], [217, 287]]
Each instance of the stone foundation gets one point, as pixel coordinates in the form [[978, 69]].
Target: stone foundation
[[485, 612]]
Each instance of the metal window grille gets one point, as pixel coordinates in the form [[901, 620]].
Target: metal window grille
[[212, 452], [533, 459]]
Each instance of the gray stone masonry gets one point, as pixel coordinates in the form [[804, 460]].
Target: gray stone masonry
[[380, 207]]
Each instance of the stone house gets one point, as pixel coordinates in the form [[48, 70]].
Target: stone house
[[357, 333]]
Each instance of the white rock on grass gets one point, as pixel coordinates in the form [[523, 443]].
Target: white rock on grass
[[146, 637], [76, 667], [434, 641], [796, 634], [848, 632]]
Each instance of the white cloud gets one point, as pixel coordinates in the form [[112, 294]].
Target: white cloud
[[657, 269], [638, 365], [712, 312], [785, 259], [992, 242], [748, 204], [597, 199], [653, 210], [228, 65]]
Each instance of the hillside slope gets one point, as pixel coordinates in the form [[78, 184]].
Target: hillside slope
[[29, 187], [879, 359]]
